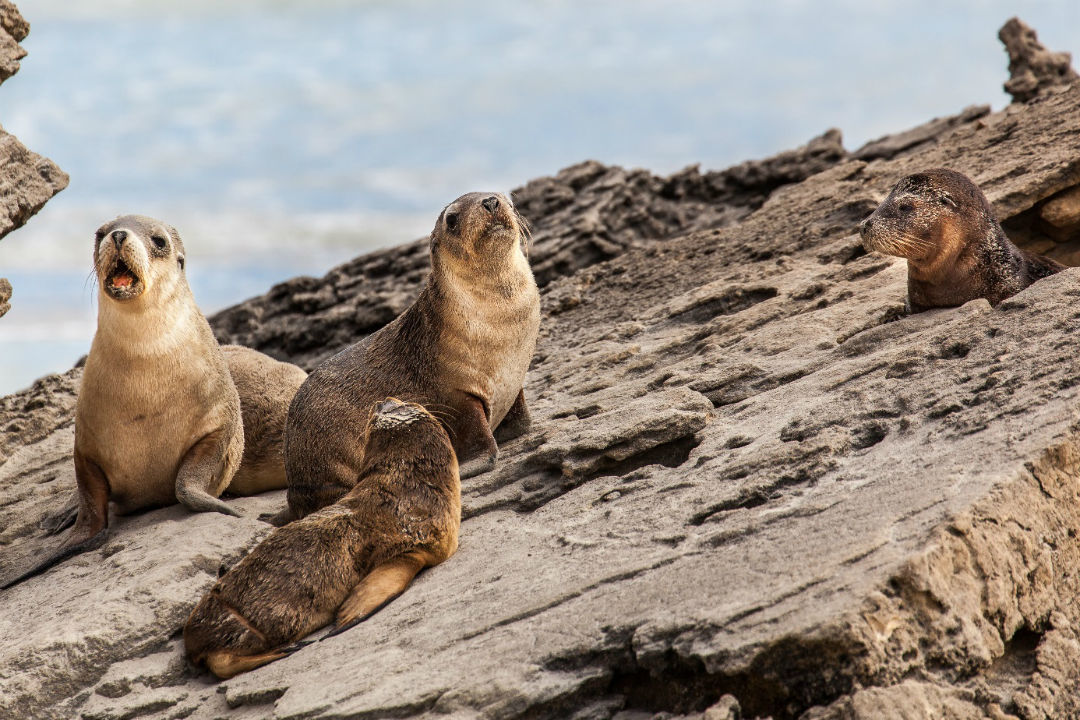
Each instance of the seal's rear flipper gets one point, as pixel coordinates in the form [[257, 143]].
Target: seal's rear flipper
[[378, 587], [226, 664], [279, 519]]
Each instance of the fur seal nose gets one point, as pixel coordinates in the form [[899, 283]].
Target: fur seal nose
[[118, 237], [864, 225], [491, 204]]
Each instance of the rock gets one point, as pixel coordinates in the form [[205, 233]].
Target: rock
[[13, 29], [27, 182], [1033, 70], [1063, 210], [5, 296], [753, 486]]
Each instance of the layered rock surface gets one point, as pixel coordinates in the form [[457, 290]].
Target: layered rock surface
[[753, 486]]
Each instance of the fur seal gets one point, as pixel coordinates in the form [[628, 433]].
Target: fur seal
[[956, 249], [158, 419], [266, 387], [344, 561], [461, 350]]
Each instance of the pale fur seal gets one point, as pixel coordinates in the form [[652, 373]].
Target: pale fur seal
[[158, 418], [461, 350], [955, 247], [344, 561]]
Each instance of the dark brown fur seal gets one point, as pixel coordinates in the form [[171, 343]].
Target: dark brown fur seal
[[344, 561], [461, 350], [956, 249], [158, 417]]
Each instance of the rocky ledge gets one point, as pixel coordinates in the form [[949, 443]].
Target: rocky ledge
[[754, 487]]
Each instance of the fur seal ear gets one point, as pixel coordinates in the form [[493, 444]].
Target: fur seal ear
[[178, 244], [947, 201]]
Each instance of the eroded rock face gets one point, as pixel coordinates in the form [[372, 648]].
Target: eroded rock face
[[1033, 70], [27, 180], [753, 486]]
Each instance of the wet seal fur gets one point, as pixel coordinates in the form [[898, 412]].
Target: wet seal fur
[[158, 418], [461, 350], [955, 247], [344, 562]]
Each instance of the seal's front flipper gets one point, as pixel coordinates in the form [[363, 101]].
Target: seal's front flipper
[[517, 420], [279, 519], [475, 445], [378, 587], [201, 470], [91, 522], [63, 519]]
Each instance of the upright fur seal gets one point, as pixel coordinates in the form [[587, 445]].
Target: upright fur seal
[[461, 350], [956, 249], [158, 418], [346, 560]]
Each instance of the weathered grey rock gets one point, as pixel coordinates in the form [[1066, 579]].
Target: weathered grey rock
[[5, 296], [27, 180], [1063, 210], [749, 475], [1033, 70], [13, 29]]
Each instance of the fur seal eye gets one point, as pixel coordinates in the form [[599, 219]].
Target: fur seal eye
[[906, 207], [452, 222], [159, 241]]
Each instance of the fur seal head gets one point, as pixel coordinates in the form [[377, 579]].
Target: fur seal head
[[134, 255], [479, 230], [956, 250], [929, 218]]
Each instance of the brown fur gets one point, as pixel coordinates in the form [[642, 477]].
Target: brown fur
[[266, 387], [158, 419], [956, 249], [461, 350], [345, 561]]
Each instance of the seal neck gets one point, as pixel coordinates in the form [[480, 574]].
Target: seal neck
[[147, 325]]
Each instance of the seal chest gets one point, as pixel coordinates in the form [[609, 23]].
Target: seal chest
[[496, 331]]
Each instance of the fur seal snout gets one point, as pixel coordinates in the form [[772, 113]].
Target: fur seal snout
[[344, 562], [462, 350], [956, 249]]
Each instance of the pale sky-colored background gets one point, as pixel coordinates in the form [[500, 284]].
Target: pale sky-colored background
[[284, 137]]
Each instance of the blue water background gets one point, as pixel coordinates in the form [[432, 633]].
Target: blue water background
[[282, 138]]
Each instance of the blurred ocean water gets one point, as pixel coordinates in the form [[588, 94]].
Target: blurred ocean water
[[284, 137]]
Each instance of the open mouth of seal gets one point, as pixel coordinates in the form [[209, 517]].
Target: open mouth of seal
[[122, 282]]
